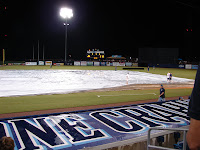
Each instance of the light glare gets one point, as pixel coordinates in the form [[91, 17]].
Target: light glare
[[66, 13]]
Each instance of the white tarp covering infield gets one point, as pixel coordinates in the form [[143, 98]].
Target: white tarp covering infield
[[35, 82]]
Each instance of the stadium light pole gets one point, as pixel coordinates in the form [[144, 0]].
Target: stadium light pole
[[66, 13]]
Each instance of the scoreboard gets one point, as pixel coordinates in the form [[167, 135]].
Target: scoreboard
[[95, 54]]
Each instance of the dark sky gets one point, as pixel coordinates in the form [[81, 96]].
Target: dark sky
[[117, 27]]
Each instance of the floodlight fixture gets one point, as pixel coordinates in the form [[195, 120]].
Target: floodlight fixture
[[66, 13]]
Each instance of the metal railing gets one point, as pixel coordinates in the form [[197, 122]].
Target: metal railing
[[149, 146]]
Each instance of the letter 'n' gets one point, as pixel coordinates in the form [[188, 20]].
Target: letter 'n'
[[32, 134], [2, 130]]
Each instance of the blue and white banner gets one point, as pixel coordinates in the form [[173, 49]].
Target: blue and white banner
[[77, 130]]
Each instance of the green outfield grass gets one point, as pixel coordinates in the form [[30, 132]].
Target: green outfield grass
[[183, 73], [45, 102]]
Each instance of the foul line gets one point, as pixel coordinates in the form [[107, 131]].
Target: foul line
[[125, 94]]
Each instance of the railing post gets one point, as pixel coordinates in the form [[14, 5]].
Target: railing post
[[184, 140], [148, 139]]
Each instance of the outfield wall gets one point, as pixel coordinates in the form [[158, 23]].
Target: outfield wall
[[97, 63]]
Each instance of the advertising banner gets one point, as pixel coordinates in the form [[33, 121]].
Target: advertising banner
[[84, 129], [121, 63], [83, 63], [58, 64], [103, 63], [195, 66], [96, 63], [181, 66], [129, 64], [31, 63], [115, 63], [135, 65], [41, 63], [48, 63], [108, 64], [188, 66], [77, 63], [89, 63]]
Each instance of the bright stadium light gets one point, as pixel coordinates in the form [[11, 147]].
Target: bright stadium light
[[66, 13]]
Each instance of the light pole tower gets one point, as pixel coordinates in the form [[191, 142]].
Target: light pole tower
[[66, 13]]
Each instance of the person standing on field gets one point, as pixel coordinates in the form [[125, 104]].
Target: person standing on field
[[127, 78], [162, 94], [168, 77]]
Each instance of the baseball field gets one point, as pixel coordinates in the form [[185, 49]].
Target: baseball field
[[108, 95]]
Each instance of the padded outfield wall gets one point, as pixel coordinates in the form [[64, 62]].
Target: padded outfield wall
[[97, 63]]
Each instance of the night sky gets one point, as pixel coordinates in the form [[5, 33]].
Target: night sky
[[117, 27]]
